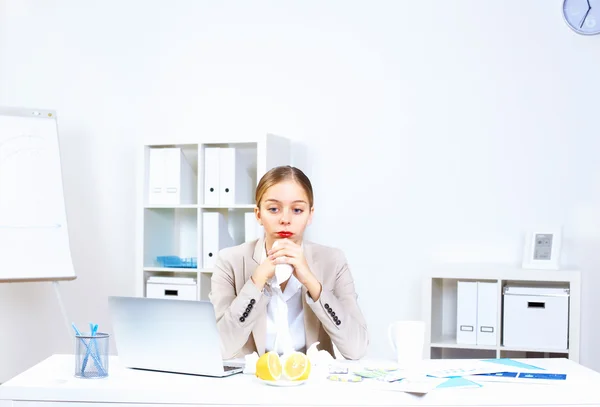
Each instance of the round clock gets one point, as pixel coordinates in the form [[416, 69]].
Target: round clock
[[583, 16]]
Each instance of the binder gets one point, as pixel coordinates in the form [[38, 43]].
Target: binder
[[466, 313], [235, 177], [215, 236], [211, 176], [171, 178], [179, 180], [252, 229], [156, 176], [487, 313]]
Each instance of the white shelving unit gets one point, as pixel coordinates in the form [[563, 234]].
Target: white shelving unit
[[176, 230], [440, 309]]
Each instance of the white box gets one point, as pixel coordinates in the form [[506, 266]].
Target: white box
[[171, 288], [536, 317], [466, 313]]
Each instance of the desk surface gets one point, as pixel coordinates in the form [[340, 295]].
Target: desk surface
[[52, 380]]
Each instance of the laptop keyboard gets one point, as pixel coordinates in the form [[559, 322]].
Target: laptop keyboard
[[229, 367]]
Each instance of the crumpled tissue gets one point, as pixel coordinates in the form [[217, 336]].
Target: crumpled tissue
[[250, 363], [320, 360]]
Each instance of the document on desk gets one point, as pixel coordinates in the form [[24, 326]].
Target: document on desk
[[460, 368], [416, 385], [521, 377]]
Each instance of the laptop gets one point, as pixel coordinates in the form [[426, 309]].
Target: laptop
[[168, 335]]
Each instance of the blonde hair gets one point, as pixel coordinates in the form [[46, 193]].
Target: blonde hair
[[280, 174]]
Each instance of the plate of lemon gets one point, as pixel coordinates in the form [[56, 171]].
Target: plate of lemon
[[283, 371]]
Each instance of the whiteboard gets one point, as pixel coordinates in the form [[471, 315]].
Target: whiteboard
[[34, 238]]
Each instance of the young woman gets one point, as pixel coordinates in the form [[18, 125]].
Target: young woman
[[260, 310]]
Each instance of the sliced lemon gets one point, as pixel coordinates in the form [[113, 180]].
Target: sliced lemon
[[268, 366], [296, 366]]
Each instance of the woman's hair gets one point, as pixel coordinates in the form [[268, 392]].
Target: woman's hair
[[281, 174]]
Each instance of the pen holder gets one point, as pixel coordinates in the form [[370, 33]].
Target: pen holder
[[91, 356]]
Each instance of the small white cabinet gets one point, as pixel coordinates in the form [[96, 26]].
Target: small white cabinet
[[526, 325]]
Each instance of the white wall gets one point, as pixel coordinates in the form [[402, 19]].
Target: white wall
[[431, 130]]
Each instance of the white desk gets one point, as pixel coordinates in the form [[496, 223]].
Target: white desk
[[52, 383]]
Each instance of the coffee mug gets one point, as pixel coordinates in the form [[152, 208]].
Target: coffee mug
[[407, 339]]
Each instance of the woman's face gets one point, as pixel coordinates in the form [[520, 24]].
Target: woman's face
[[284, 212]]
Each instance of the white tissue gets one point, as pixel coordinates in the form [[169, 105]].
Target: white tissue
[[318, 357], [282, 271], [250, 363]]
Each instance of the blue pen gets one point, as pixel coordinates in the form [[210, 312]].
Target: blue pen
[[93, 344], [94, 357]]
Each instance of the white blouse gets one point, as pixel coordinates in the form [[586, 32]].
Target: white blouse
[[285, 316]]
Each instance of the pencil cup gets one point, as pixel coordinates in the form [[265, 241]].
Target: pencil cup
[[91, 356]]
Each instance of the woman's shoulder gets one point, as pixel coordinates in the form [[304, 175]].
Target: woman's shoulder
[[324, 252], [234, 252]]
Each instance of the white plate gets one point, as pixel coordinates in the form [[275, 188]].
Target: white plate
[[282, 382]]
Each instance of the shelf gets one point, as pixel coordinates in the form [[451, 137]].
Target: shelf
[[450, 342], [178, 200], [440, 306], [500, 272], [240, 206], [521, 349], [171, 270], [188, 206], [169, 232]]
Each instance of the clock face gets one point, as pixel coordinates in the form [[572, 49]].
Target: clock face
[[583, 16]]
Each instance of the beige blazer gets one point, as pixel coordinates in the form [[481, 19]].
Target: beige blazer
[[241, 308]]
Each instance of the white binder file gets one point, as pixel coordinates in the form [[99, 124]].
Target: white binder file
[[215, 236], [156, 176], [466, 313], [179, 180], [171, 178], [211, 176], [487, 313], [235, 177], [252, 229]]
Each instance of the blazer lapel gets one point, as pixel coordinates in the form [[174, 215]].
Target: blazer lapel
[[259, 332], [311, 322]]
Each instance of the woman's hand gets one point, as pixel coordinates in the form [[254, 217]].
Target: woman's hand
[[288, 252], [263, 273]]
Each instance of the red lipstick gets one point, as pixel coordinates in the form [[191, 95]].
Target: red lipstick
[[285, 235]]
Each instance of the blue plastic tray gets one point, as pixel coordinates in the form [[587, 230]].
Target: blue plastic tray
[[176, 261]]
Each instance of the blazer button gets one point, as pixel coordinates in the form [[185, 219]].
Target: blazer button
[[327, 307], [245, 314], [249, 306], [252, 301], [248, 310], [338, 321], [242, 319], [329, 310], [333, 315]]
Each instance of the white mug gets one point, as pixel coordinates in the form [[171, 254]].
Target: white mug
[[407, 339]]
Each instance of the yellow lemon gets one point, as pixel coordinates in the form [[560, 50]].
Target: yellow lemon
[[296, 366], [268, 366]]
